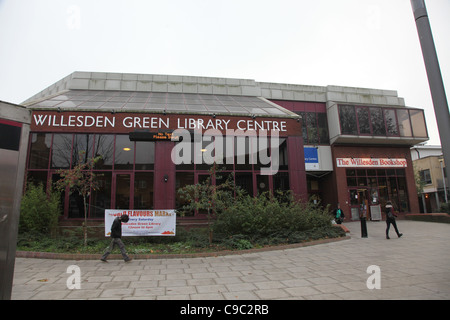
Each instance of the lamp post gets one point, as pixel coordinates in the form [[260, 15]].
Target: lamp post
[[443, 180], [434, 77]]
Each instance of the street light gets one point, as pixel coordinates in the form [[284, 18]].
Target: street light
[[443, 179], [434, 77]]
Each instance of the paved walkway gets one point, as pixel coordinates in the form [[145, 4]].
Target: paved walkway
[[416, 266]]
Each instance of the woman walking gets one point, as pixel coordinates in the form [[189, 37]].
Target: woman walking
[[390, 219]]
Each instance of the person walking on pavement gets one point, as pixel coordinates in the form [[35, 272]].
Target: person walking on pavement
[[116, 234], [390, 219]]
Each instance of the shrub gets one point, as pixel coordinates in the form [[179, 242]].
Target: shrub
[[267, 215], [39, 212]]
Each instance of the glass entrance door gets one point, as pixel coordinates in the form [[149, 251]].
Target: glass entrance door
[[123, 188], [357, 197]]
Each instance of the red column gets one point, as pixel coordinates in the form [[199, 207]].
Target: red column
[[164, 184], [297, 173]]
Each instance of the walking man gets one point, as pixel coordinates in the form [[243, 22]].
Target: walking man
[[116, 234]]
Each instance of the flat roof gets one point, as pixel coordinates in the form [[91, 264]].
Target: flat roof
[[126, 92]]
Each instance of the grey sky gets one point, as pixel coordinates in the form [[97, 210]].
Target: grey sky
[[361, 43]]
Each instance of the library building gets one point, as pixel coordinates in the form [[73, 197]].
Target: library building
[[155, 134]]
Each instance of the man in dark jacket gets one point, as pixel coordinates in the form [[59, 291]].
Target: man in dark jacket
[[116, 234]]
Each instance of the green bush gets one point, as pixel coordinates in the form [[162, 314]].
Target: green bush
[[39, 212], [266, 215]]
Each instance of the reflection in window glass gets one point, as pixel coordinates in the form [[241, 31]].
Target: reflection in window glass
[[143, 190], [402, 195], [314, 127], [82, 143], [404, 125], [347, 118], [281, 181], [76, 205], [40, 150], [124, 154], [390, 185], [304, 127], [391, 122], [418, 123], [377, 119], [101, 198], [245, 181], [145, 155], [323, 128], [61, 151], [311, 124], [104, 148], [363, 120], [123, 191], [182, 179]]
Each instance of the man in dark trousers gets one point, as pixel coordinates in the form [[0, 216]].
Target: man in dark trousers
[[390, 219], [116, 234]]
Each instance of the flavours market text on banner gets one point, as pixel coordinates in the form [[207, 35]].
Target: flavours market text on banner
[[143, 222]]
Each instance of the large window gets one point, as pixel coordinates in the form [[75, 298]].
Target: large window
[[381, 185], [418, 123], [246, 156], [347, 118], [391, 122], [124, 170], [40, 150], [404, 125], [377, 121], [363, 120], [314, 127], [314, 120]]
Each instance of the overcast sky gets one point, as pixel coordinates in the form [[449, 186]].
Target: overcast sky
[[359, 43]]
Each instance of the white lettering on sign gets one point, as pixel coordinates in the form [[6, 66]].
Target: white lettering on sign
[[371, 162], [145, 123], [74, 121], [61, 120]]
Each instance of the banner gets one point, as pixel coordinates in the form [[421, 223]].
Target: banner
[[143, 222]]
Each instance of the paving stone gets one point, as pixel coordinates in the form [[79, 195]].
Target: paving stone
[[412, 267]]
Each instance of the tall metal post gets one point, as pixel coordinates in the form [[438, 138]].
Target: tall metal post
[[434, 78], [14, 129]]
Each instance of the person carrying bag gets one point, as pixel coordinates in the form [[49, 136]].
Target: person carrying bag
[[390, 219]]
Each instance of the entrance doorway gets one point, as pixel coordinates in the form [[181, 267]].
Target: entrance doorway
[[357, 197]]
